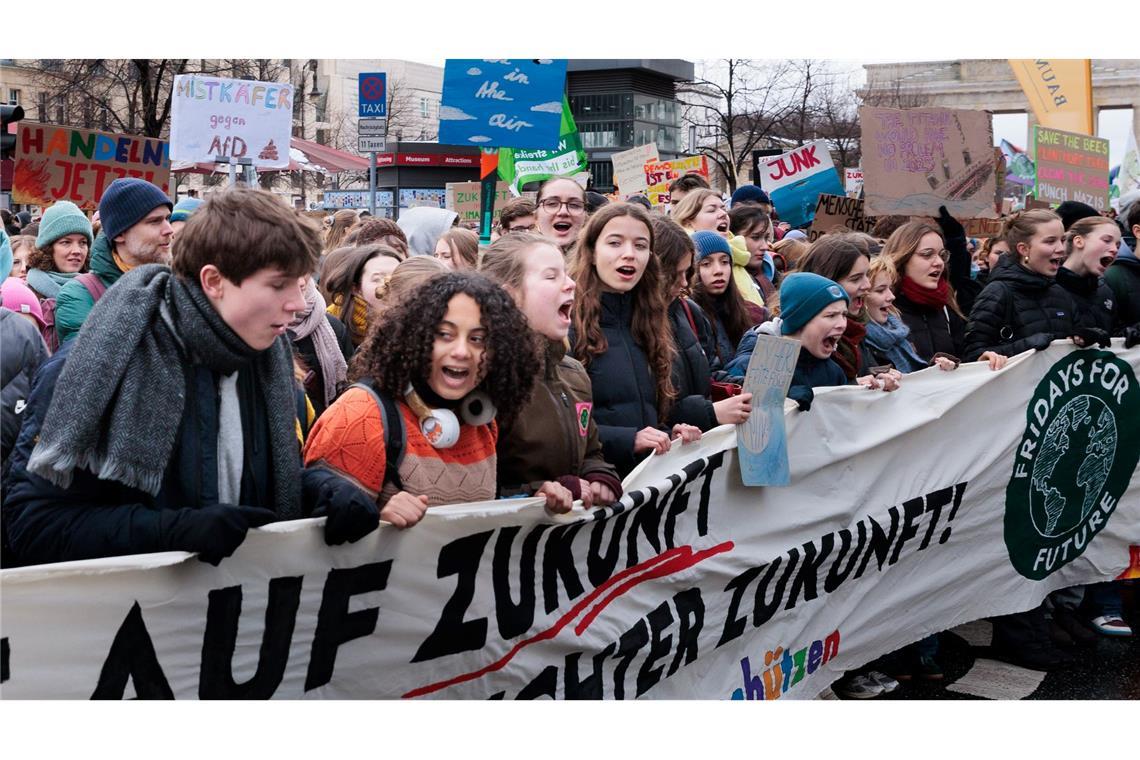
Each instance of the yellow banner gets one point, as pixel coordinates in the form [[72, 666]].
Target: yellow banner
[[1059, 92]]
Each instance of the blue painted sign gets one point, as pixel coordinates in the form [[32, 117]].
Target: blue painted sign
[[761, 443], [372, 91], [795, 180], [502, 103]]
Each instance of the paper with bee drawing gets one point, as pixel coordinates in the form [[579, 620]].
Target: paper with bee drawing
[[918, 159], [761, 442]]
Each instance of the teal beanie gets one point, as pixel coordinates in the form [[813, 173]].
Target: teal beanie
[[802, 296], [63, 218]]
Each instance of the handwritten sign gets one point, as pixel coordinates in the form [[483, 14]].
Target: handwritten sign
[[629, 167], [761, 442], [466, 199], [55, 163], [852, 181], [1070, 167], [838, 213], [232, 118], [659, 174], [918, 159], [509, 103], [795, 180]]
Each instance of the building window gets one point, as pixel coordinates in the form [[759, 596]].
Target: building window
[[601, 175], [323, 136], [43, 106], [88, 115], [13, 97], [60, 110], [105, 119], [424, 108]]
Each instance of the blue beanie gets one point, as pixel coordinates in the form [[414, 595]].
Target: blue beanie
[[802, 296], [126, 201], [184, 208], [707, 243], [749, 194], [62, 219]]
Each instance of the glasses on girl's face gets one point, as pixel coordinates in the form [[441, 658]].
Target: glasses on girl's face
[[551, 206], [522, 228], [926, 254]]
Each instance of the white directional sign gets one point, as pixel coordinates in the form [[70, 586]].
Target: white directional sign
[[368, 144]]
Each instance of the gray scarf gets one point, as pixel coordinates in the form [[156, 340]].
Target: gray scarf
[[315, 322], [119, 399]]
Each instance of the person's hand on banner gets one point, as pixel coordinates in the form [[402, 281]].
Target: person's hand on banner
[[213, 532], [404, 510], [651, 439], [733, 410], [1087, 337], [559, 500], [1131, 335], [884, 381], [352, 514], [803, 395], [1039, 341], [687, 433], [602, 494], [997, 361]]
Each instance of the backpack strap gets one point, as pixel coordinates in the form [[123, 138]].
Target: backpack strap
[[94, 285], [689, 315], [395, 436]]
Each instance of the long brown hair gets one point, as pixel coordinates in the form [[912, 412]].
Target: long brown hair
[[651, 327], [464, 245], [1022, 226], [671, 244], [343, 221], [903, 243], [728, 307]]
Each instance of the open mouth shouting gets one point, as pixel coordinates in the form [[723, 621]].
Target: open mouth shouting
[[627, 273], [563, 228], [455, 377], [830, 343], [564, 310], [722, 227]]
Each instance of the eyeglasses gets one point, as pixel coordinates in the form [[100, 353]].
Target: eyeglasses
[[926, 254], [551, 205], [528, 228]]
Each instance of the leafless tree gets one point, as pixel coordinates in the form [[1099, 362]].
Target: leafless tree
[[889, 91]]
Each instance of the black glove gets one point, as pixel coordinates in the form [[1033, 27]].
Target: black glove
[[1131, 335], [803, 395], [214, 532], [951, 227], [352, 514], [1093, 336], [1039, 341]]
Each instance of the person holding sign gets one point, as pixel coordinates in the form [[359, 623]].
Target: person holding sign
[[436, 377], [555, 437], [561, 207], [620, 332]]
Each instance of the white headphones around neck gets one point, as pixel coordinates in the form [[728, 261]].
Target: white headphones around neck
[[441, 426]]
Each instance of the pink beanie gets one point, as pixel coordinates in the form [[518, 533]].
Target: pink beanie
[[19, 298]]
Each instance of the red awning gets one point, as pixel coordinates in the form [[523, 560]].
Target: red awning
[[304, 155]]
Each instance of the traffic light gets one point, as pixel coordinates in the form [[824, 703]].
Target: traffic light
[[11, 114]]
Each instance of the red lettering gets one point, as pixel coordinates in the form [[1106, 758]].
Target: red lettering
[[33, 140], [135, 144], [100, 179], [77, 179], [784, 172], [59, 192]]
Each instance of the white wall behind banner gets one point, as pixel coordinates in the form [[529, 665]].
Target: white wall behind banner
[[962, 495]]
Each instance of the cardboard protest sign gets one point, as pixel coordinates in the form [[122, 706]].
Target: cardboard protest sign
[[1070, 167], [982, 227], [839, 213], [629, 168], [659, 175], [795, 180], [466, 198], [56, 163], [852, 181], [918, 159], [506, 103], [234, 118], [520, 166], [762, 446]]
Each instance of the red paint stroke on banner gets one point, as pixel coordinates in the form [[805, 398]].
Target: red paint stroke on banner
[[671, 561]]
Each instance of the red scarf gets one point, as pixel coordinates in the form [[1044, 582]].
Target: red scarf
[[847, 354], [934, 299]]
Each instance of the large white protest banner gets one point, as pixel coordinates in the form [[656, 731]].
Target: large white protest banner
[[961, 495], [212, 117]]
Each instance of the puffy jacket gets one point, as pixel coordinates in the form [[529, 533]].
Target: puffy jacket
[[811, 372], [625, 393], [691, 375], [555, 434], [1124, 279], [932, 330], [24, 352], [103, 518], [1094, 300], [1016, 304], [74, 301]]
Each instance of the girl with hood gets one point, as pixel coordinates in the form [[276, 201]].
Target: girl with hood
[[704, 210], [424, 227]]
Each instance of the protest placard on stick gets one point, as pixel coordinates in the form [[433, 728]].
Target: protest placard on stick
[[502, 103], [761, 442], [234, 118], [795, 180], [1070, 167], [659, 174], [629, 168], [465, 198], [836, 213]]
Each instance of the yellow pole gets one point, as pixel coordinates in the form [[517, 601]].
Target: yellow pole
[[1091, 111]]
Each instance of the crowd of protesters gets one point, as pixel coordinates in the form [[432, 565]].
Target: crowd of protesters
[[367, 370]]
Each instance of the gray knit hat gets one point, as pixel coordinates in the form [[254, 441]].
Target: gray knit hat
[[63, 218], [126, 201]]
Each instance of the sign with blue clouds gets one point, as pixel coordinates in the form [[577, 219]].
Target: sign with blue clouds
[[502, 103]]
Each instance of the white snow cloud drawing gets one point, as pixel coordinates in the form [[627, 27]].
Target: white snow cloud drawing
[[543, 61], [474, 71], [451, 113], [478, 139], [552, 107]]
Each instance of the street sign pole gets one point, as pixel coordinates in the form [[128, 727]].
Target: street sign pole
[[372, 122], [372, 183]]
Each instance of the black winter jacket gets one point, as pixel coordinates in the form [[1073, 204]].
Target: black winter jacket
[[811, 372], [691, 375], [1094, 300], [625, 394], [102, 518], [1015, 305], [932, 330], [1124, 279], [23, 353], [315, 388]]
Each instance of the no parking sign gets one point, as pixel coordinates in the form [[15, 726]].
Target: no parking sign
[[373, 95]]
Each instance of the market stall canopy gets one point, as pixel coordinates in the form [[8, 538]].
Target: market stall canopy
[[304, 155]]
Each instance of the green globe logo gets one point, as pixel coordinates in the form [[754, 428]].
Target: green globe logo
[[1075, 461]]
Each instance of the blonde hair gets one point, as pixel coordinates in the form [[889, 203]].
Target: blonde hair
[[882, 265], [343, 221], [504, 261], [689, 206]]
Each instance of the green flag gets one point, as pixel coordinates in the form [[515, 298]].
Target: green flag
[[518, 167]]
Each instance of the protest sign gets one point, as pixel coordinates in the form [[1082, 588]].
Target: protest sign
[[211, 117], [918, 159], [795, 180], [1070, 167], [629, 168], [837, 213], [465, 198], [55, 163], [660, 174], [692, 586], [852, 181], [515, 103], [518, 167], [982, 227], [1128, 178], [762, 447]]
